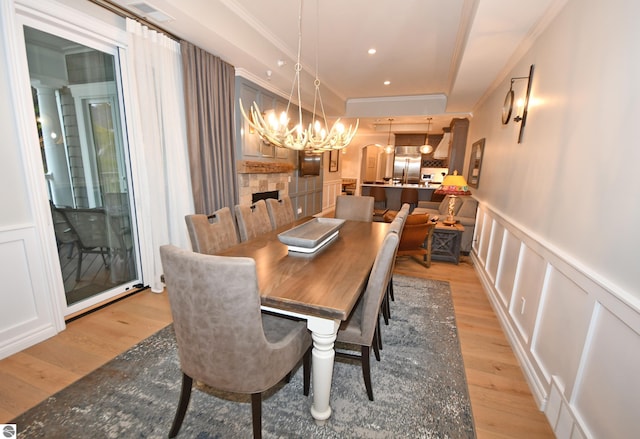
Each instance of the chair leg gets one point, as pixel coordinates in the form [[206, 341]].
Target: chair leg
[[79, 272], [287, 378], [377, 342], [384, 308], [185, 396], [256, 414], [366, 371], [390, 287], [388, 300], [306, 371], [377, 336]]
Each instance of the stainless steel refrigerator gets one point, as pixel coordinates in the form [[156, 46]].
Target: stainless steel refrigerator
[[406, 164]]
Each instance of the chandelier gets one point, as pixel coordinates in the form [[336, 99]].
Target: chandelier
[[275, 130], [426, 148]]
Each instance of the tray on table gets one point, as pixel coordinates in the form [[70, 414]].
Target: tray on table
[[312, 235]]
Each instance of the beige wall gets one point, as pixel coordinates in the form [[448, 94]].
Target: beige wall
[[557, 230], [572, 180]]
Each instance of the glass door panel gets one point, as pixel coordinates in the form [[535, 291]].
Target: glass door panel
[[77, 108]]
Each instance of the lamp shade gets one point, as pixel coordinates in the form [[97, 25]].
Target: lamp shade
[[453, 184]]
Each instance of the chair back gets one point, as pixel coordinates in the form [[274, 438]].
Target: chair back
[[215, 305], [396, 225], [409, 195], [252, 220], [414, 233], [354, 207], [377, 285], [379, 195], [93, 228], [213, 233], [405, 209], [63, 230], [280, 211]]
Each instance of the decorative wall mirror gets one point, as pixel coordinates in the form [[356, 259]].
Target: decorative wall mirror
[[475, 163]]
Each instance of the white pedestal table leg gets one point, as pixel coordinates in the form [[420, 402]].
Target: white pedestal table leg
[[323, 332]]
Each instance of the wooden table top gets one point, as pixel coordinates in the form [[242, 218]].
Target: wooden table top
[[324, 284]]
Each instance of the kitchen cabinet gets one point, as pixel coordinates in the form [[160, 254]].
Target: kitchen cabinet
[[458, 145]]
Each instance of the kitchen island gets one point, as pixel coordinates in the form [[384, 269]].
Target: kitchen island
[[393, 192]]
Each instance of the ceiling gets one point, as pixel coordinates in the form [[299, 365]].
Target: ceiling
[[440, 56]]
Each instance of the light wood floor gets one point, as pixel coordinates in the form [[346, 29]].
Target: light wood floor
[[500, 398]]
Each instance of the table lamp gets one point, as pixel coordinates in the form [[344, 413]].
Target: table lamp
[[453, 185]]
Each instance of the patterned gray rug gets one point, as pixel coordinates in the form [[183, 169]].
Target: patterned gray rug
[[419, 388]]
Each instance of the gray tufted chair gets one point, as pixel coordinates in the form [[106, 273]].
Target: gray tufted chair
[[362, 328], [354, 207], [397, 225], [252, 220], [224, 341], [213, 233], [280, 211]]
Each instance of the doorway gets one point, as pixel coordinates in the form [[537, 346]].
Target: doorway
[[76, 98]]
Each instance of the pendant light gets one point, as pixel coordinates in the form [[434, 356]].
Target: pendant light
[[426, 148], [389, 148]]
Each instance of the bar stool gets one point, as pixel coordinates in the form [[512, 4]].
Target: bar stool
[[379, 195], [409, 195]]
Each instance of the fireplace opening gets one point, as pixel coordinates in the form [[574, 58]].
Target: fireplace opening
[[263, 196]]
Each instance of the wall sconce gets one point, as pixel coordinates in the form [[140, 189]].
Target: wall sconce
[[507, 107]]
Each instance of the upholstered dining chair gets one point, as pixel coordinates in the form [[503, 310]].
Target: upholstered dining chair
[[397, 225], [252, 220], [280, 211], [362, 327], [224, 341], [354, 207], [212, 233]]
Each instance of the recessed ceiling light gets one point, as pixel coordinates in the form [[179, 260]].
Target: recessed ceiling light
[[387, 82], [371, 51]]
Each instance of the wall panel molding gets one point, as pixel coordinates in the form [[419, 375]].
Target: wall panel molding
[[576, 338], [27, 315]]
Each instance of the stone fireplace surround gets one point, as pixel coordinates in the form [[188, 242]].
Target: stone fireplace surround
[[254, 177]]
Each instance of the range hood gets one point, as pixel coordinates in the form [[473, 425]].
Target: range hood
[[442, 151], [407, 151]]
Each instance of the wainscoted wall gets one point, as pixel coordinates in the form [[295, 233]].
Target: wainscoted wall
[[26, 314], [577, 340], [330, 190]]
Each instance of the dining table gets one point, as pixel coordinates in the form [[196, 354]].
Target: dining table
[[320, 287]]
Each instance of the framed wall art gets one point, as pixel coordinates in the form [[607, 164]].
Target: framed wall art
[[334, 156], [475, 163]]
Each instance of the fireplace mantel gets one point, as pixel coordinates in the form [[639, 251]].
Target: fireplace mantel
[[252, 167]]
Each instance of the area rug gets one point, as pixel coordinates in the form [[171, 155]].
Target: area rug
[[419, 388]]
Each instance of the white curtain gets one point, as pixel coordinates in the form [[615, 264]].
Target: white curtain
[[159, 137]]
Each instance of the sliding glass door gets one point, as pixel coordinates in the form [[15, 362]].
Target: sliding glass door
[[76, 98]]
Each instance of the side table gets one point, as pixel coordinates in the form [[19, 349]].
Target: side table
[[445, 242]]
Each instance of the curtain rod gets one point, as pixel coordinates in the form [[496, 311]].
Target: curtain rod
[[122, 12]]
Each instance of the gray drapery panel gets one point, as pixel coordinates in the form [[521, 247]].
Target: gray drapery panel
[[209, 101]]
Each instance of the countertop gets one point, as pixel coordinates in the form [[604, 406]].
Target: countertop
[[400, 186]]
